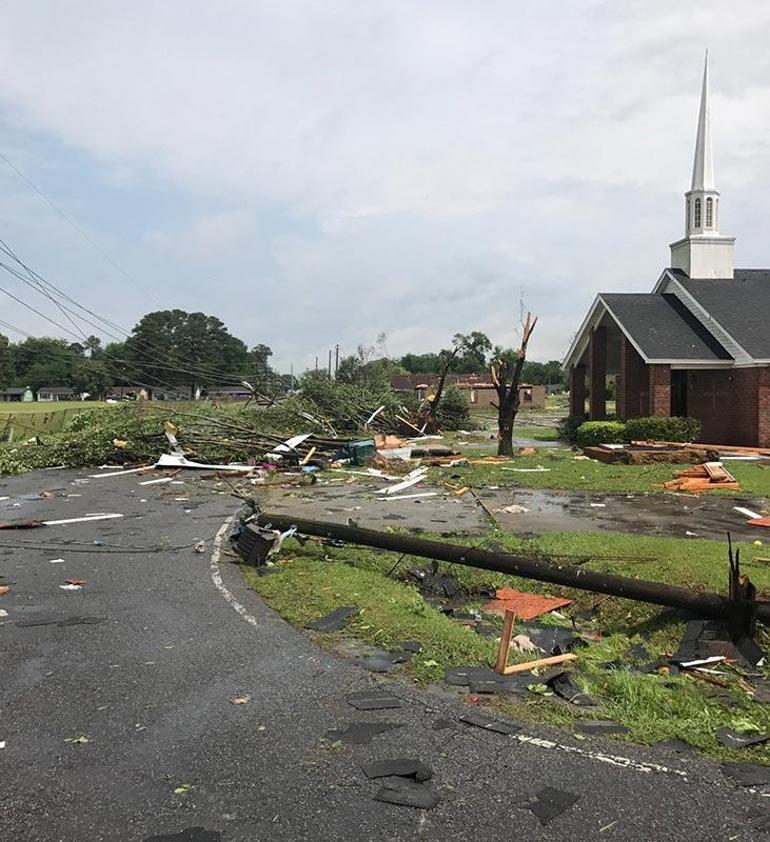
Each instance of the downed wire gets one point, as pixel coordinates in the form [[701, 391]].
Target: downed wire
[[658, 593]]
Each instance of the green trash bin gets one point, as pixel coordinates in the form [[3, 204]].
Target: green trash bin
[[361, 452]]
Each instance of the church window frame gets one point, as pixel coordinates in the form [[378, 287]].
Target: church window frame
[[709, 212], [697, 214]]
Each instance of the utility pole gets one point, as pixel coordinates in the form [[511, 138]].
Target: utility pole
[[330, 363], [316, 362], [292, 377], [336, 359]]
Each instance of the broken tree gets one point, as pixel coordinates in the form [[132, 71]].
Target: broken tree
[[506, 374]]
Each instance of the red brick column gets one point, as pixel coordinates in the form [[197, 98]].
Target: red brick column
[[597, 366], [577, 390], [629, 383], [660, 390], [763, 395]]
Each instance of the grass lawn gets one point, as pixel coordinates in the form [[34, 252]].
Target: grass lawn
[[565, 471], [28, 418], [315, 579]]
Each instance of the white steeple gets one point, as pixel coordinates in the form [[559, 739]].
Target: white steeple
[[704, 252], [703, 165]]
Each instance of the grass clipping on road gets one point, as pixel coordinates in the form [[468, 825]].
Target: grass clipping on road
[[316, 578]]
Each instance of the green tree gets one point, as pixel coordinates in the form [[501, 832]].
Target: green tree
[[472, 356], [172, 346], [6, 362], [43, 361], [91, 376]]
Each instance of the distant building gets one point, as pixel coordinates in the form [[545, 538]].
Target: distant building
[[12, 394], [57, 393], [230, 393], [478, 387]]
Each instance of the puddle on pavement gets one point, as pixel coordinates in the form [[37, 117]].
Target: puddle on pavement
[[651, 514]]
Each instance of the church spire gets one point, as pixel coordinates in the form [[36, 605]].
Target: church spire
[[704, 252], [703, 165]]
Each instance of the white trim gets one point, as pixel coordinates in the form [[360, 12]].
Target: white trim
[[578, 340]]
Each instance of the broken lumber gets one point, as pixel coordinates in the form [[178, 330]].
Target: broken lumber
[[540, 662]]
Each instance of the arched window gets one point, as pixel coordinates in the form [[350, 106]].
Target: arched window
[[709, 212], [697, 214]]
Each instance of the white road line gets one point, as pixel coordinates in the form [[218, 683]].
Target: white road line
[[216, 577], [611, 759]]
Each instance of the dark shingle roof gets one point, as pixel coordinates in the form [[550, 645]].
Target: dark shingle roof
[[740, 304], [662, 327]]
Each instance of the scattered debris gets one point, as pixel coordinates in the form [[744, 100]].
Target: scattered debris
[[747, 774], [4, 589], [513, 509], [433, 582], [561, 684], [488, 723], [549, 803], [730, 738], [408, 794], [402, 767], [525, 606], [601, 727], [361, 733], [71, 587], [243, 699], [709, 476], [373, 700], [334, 621]]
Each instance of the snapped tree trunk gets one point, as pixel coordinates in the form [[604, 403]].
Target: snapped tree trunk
[[506, 374]]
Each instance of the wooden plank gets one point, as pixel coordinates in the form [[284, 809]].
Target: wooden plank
[[543, 662], [308, 456], [760, 451], [505, 642]]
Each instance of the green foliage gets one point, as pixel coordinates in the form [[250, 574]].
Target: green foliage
[[568, 427], [663, 429], [454, 410], [43, 361], [346, 405], [6, 362], [600, 432], [179, 348]]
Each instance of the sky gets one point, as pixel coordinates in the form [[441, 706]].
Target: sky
[[315, 173]]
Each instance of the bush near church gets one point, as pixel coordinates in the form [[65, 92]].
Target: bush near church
[[656, 428]]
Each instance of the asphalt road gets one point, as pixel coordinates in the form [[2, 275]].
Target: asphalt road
[[149, 686]]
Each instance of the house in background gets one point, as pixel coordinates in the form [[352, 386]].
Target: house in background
[[16, 394], [478, 388], [698, 345], [57, 393]]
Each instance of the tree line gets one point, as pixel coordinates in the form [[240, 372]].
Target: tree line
[[173, 348], [167, 349]]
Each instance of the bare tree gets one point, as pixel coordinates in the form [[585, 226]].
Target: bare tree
[[506, 373]]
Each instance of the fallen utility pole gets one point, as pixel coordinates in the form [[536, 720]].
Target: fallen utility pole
[[710, 605]]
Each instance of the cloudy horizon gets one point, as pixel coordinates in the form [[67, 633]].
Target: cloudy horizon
[[315, 174]]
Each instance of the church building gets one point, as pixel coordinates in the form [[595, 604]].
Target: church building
[[698, 345]]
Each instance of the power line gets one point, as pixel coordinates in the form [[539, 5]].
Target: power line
[[80, 230], [200, 370]]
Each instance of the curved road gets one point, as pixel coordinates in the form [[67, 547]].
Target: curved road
[[149, 685]]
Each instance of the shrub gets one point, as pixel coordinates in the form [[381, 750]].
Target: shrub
[[663, 429], [601, 432], [568, 427], [454, 411]]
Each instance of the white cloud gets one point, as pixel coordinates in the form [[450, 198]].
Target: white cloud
[[420, 163]]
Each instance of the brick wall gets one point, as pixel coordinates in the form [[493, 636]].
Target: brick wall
[[660, 390], [633, 383], [763, 406], [726, 402], [597, 370], [577, 390]]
